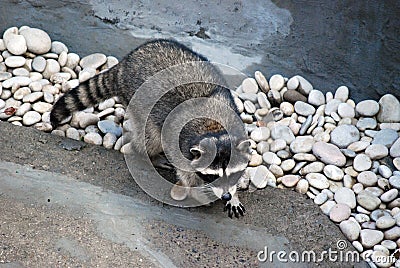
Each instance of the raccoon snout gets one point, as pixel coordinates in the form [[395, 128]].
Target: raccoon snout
[[226, 196]]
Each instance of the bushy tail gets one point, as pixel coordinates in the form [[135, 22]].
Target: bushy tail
[[87, 94]]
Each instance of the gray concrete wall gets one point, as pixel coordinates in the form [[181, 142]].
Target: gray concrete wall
[[331, 43]]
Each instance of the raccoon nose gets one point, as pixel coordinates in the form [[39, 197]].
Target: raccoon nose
[[226, 196]]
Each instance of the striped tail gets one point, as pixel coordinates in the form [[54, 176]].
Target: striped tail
[[87, 94]]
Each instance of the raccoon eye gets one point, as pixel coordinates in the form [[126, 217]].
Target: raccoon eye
[[207, 177]]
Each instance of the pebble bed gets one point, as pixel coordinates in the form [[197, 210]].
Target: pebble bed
[[343, 155]]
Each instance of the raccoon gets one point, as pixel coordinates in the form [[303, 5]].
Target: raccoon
[[197, 139]]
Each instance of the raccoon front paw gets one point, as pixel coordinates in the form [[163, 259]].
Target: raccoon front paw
[[234, 207]]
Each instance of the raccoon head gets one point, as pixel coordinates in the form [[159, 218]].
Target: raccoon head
[[220, 161]]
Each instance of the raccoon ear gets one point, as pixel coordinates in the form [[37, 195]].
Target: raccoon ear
[[244, 146], [196, 151]]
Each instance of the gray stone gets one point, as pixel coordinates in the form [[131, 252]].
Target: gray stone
[[277, 145], [42, 107], [305, 87], [358, 146], [314, 167], [293, 96], [385, 222], [15, 44], [260, 134], [376, 151], [72, 60], [261, 177], [72, 133], [271, 158], [367, 108], [393, 233], [58, 47], [320, 198], [386, 137], [263, 100], [31, 118], [16, 80], [342, 93], [51, 68], [395, 182], [276, 82], [86, 119], [345, 196], [343, 135], [5, 76], [20, 93], [282, 132], [317, 180], [316, 98], [389, 195], [367, 178], [23, 109], [302, 144], [395, 149], [367, 200], [303, 108], [261, 81], [109, 140], [32, 97], [39, 64], [333, 172], [93, 138], [249, 107], [345, 110], [332, 106], [366, 123], [339, 212], [15, 61], [249, 85], [329, 154], [93, 61], [37, 40], [362, 162], [290, 180], [389, 111], [385, 171], [370, 238], [350, 229]]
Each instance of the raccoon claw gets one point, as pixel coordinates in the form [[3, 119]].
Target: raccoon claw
[[234, 207]]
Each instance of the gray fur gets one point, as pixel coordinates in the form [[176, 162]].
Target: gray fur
[[126, 77]]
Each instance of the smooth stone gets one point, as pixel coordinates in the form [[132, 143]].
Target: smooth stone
[[20, 72], [109, 140], [282, 132], [393, 233], [262, 147], [332, 106], [107, 126], [302, 186], [395, 182], [342, 136], [93, 138], [316, 98], [52, 67], [37, 40], [86, 119], [346, 110], [304, 157], [20, 93], [58, 47], [274, 97], [271, 158], [260, 134], [263, 100], [320, 198], [342, 93], [72, 133], [16, 81], [367, 200], [15, 61], [30, 118], [22, 109], [16, 44], [255, 160], [367, 178], [49, 98], [327, 207], [5, 76], [350, 229], [276, 82], [261, 81], [361, 218], [358, 146], [366, 123], [348, 153], [252, 97], [239, 104], [32, 97], [249, 107], [333, 172], [42, 107], [396, 163], [385, 171], [72, 60], [317, 180], [304, 108], [376, 191], [305, 87], [261, 177], [357, 245], [370, 238], [302, 144], [62, 60], [367, 108], [329, 154], [389, 111], [386, 137], [290, 180], [314, 167], [249, 85], [93, 61], [395, 149], [293, 83], [381, 259], [293, 96], [391, 245], [389, 195], [385, 222], [345, 196], [362, 162], [357, 188], [339, 212], [277, 145], [109, 103], [287, 108]]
